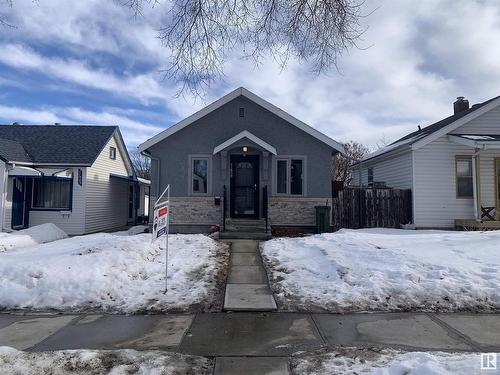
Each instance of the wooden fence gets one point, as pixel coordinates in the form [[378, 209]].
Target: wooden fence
[[371, 208]]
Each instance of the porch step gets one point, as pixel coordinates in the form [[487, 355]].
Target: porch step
[[260, 236], [246, 225]]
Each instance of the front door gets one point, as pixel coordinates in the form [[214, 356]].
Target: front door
[[18, 202], [245, 186]]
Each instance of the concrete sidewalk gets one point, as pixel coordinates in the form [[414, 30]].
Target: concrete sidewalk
[[247, 286], [258, 342]]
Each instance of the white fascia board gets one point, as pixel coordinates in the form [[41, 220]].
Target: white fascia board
[[250, 136], [255, 98], [455, 124]]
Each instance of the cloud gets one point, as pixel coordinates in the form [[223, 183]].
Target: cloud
[[419, 56], [134, 132]]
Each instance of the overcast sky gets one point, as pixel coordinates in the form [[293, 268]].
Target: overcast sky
[[91, 62]]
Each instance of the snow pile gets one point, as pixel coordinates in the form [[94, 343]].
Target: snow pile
[[113, 362], [113, 273], [32, 236], [366, 361], [386, 270]]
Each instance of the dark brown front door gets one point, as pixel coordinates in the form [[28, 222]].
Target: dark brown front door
[[245, 186]]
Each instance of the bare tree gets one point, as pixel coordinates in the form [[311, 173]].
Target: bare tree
[[341, 165], [3, 22], [202, 34], [383, 141], [141, 163]]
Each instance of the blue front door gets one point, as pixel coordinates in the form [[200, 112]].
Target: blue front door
[[18, 202]]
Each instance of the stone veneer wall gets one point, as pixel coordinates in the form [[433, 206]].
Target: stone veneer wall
[[294, 210], [194, 211]]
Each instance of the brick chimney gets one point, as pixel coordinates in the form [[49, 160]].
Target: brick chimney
[[460, 105]]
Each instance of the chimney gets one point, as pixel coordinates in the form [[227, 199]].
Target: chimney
[[16, 123], [460, 105], [57, 123]]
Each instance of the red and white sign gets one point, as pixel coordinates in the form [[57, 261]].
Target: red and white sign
[[160, 222]]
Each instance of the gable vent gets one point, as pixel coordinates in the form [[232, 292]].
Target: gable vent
[[242, 112]]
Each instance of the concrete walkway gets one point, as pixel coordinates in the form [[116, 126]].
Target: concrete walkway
[[247, 286], [252, 343]]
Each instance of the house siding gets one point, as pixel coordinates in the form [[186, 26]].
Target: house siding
[[107, 198], [487, 123], [3, 188], [72, 222], [395, 171]]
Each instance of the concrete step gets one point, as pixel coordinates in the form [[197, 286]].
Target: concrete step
[[260, 236], [249, 297], [245, 221], [245, 228]]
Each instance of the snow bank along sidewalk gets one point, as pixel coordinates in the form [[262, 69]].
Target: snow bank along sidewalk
[[115, 273], [73, 362], [353, 361], [32, 236], [386, 270]]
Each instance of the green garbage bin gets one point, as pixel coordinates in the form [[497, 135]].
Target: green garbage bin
[[322, 219]]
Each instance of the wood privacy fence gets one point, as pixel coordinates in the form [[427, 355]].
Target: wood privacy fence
[[370, 208]]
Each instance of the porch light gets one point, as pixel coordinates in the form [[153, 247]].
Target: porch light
[[245, 149]]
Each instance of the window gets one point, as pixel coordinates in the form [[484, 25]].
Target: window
[[370, 176], [52, 193], [464, 177], [290, 176], [80, 177], [199, 175], [281, 180], [112, 153], [296, 177]]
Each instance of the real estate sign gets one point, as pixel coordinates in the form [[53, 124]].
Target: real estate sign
[[161, 210], [160, 222]]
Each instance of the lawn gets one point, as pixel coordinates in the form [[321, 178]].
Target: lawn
[[116, 273], [386, 270]]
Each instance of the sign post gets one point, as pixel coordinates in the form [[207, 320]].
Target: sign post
[[161, 224]]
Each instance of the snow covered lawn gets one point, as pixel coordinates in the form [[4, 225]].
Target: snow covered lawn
[[32, 236], [115, 273], [349, 361], [386, 270], [113, 362]]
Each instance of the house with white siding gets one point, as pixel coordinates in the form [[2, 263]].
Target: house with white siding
[[451, 166], [77, 177]]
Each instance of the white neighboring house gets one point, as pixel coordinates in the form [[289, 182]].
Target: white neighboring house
[[451, 166], [77, 177]]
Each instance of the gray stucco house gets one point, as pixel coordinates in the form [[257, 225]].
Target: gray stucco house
[[246, 146]]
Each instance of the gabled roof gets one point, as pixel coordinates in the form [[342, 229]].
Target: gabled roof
[[425, 135], [53, 144], [245, 134], [251, 96]]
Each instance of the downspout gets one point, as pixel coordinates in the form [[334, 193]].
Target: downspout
[[476, 184], [3, 197]]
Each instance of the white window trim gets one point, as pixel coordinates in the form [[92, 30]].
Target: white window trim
[[289, 159], [191, 158]]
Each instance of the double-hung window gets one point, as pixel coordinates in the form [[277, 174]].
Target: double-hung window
[[52, 193], [199, 175], [290, 175], [464, 178]]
